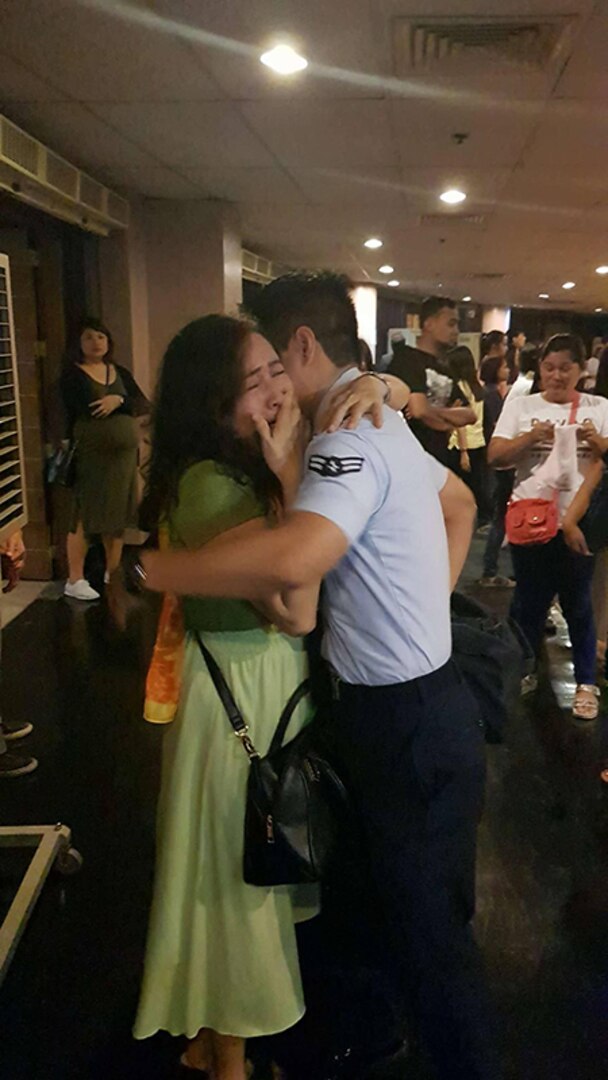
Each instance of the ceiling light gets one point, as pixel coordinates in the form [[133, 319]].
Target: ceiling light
[[373, 243], [599, 309], [466, 299], [543, 296], [386, 269], [601, 269], [452, 196], [393, 283], [284, 60], [568, 284]]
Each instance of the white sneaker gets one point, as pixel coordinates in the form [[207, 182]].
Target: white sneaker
[[80, 590]]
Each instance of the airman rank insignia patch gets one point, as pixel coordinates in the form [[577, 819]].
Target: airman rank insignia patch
[[334, 466]]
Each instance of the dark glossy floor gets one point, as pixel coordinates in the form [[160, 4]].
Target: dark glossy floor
[[68, 1001]]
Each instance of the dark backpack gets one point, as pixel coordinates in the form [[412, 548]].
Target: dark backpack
[[493, 656]]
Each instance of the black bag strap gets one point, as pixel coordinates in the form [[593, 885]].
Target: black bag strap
[[300, 692], [235, 715], [233, 712]]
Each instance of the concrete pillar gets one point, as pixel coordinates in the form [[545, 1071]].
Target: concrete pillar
[[496, 318], [193, 260], [365, 299], [176, 261], [124, 295]]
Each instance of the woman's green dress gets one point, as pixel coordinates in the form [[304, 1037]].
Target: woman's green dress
[[221, 954], [105, 489]]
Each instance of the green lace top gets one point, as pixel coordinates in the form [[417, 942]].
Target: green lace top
[[210, 503]]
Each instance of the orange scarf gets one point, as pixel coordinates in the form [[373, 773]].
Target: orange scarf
[[164, 678], [163, 681]]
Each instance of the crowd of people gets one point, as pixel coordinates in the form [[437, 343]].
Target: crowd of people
[[382, 513], [290, 494]]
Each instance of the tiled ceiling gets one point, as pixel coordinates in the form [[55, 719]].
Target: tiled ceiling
[[167, 99]]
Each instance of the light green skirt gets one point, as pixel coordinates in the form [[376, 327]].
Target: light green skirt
[[221, 954]]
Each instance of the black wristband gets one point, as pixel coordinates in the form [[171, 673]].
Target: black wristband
[[387, 387]]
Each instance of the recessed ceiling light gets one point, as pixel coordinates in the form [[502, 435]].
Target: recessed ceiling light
[[452, 196], [284, 60], [568, 284], [601, 269], [599, 309], [543, 296], [393, 283], [466, 299], [386, 269], [373, 243]]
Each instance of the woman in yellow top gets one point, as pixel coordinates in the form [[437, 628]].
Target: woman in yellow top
[[468, 444]]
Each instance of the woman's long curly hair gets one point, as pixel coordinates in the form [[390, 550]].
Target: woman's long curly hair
[[200, 380]]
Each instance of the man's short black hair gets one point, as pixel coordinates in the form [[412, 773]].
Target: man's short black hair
[[528, 358], [431, 305], [320, 300]]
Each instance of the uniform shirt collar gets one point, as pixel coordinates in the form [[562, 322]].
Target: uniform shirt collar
[[349, 375]]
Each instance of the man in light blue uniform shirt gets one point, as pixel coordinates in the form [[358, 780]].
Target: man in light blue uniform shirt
[[388, 529], [387, 601]]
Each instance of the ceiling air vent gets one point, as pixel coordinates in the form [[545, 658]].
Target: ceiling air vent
[[19, 148], [118, 209], [491, 275], [449, 220], [61, 176], [257, 268], [31, 172], [423, 43], [91, 193]]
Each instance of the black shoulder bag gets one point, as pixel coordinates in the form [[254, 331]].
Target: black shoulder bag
[[493, 656], [62, 469], [594, 524], [295, 800]]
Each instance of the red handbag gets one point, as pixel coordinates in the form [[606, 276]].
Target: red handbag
[[532, 521], [535, 521]]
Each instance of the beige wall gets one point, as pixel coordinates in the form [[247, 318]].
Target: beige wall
[[178, 260]]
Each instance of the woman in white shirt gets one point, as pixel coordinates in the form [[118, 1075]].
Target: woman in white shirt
[[528, 367], [524, 437]]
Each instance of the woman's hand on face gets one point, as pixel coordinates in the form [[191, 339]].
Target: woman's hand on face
[[364, 396], [281, 440], [105, 405]]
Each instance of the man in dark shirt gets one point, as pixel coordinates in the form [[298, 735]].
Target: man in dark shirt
[[434, 408]]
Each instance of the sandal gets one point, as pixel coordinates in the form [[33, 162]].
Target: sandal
[[586, 704], [203, 1072]]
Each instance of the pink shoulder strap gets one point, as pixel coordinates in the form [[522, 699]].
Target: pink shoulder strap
[[574, 407]]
